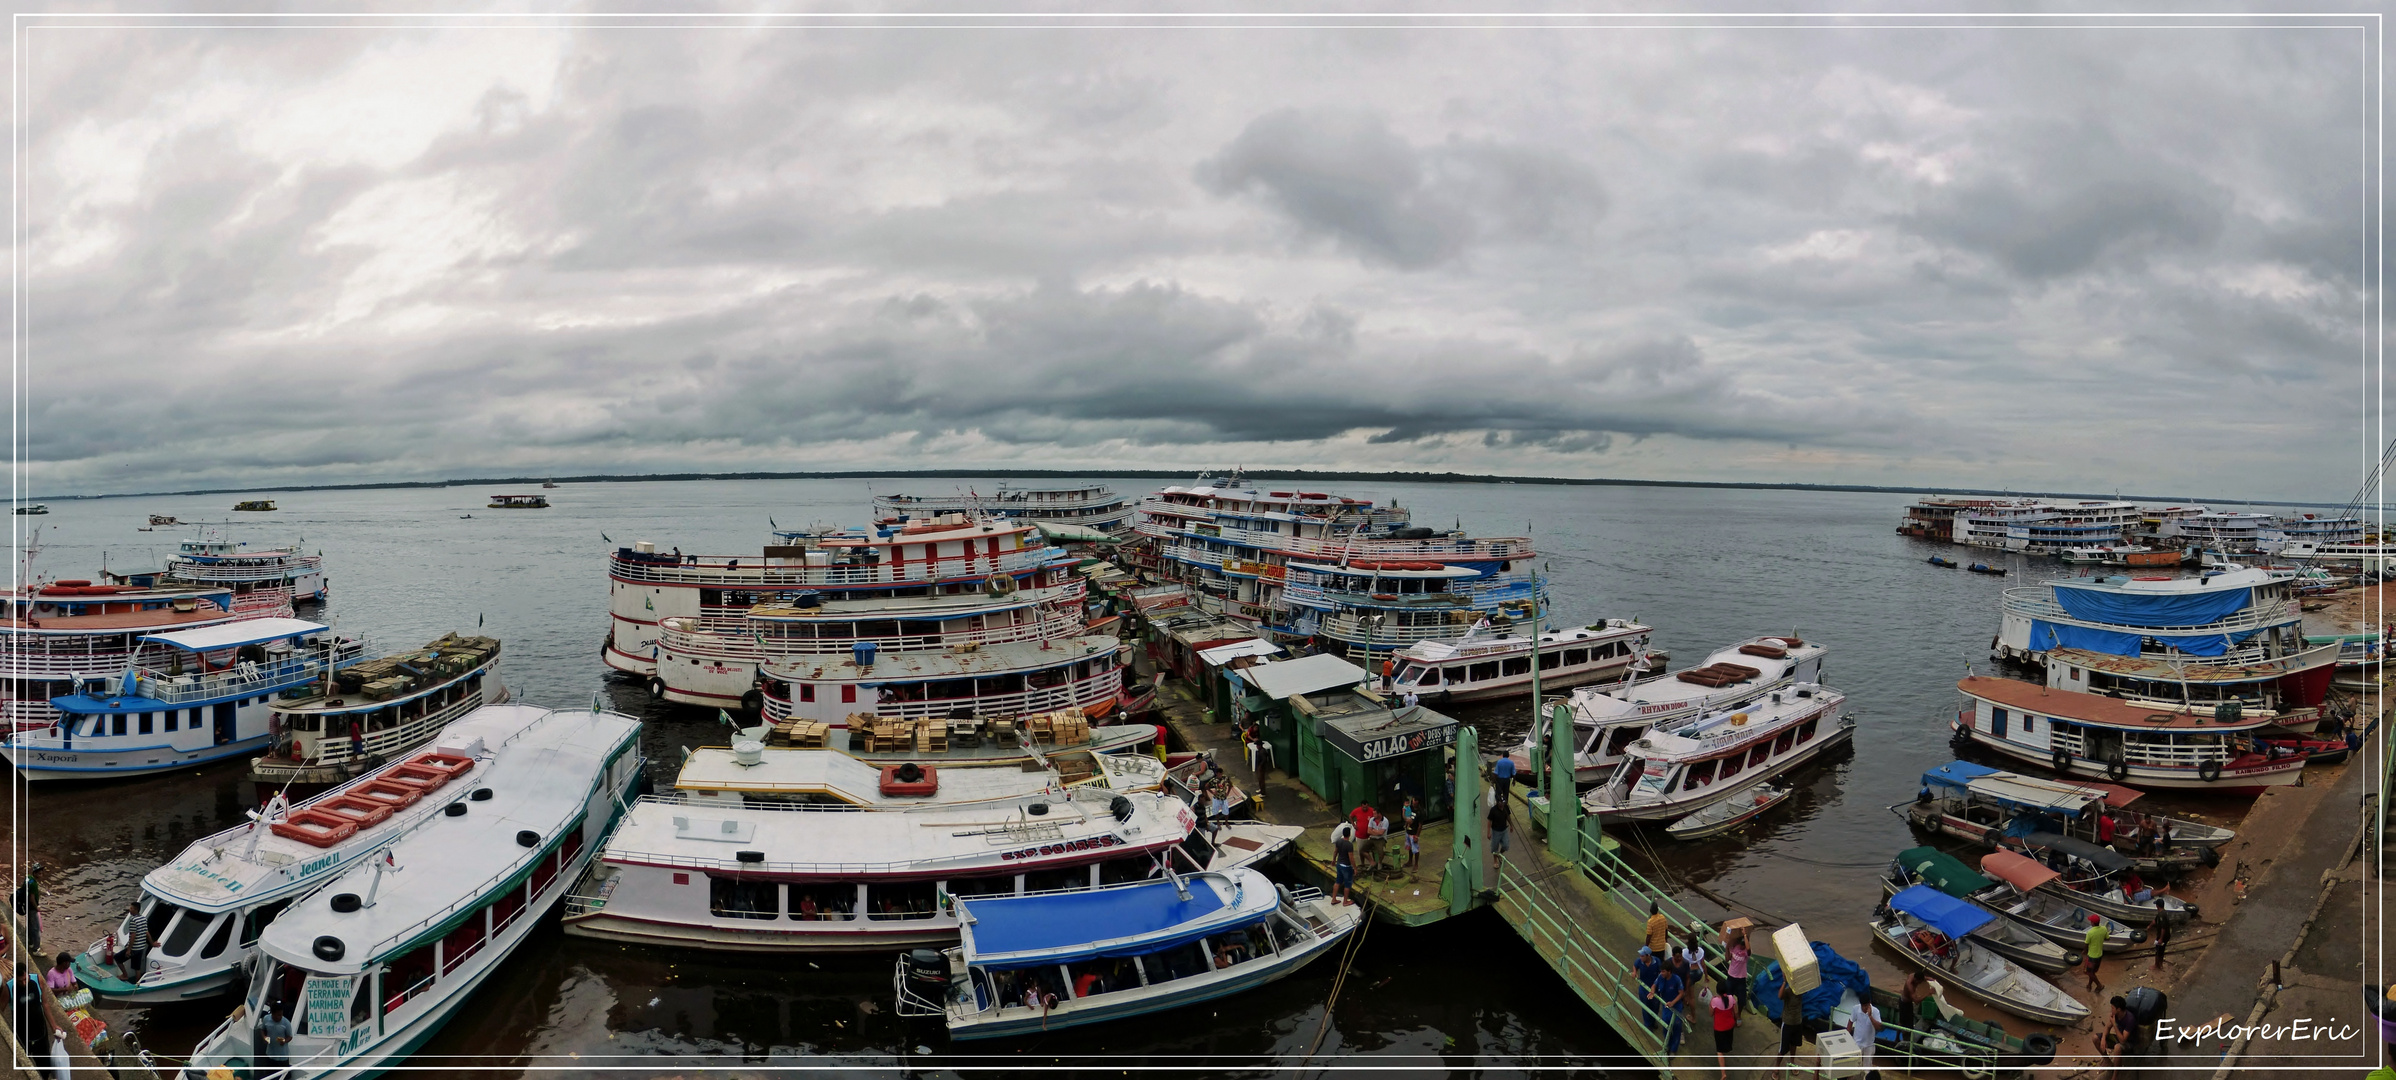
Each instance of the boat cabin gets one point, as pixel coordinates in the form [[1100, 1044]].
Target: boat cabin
[[534, 501]]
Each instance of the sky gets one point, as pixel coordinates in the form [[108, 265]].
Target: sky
[[2049, 256]]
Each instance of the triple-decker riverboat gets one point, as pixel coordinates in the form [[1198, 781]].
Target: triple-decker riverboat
[[55, 636], [1092, 507], [190, 697], [268, 579]]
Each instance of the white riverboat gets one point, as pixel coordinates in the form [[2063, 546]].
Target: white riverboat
[[190, 698], [267, 579], [1029, 964], [206, 908], [1091, 507], [1678, 769], [800, 878], [1486, 664], [1016, 679], [1605, 719], [55, 637], [2142, 745], [325, 733], [372, 963]]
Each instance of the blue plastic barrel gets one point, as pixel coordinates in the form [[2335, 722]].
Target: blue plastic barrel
[[865, 653]]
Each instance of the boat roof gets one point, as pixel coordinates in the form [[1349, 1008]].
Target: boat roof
[[912, 666], [1942, 871], [1439, 649], [2105, 858], [2160, 585], [221, 871], [2016, 869], [1283, 679], [1066, 533], [541, 782], [1224, 654], [2195, 670], [1666, 693], [1718, 733], [158, 618], [784, 771], [925, 841], [231, 635], [1950, 916], [2028, 791], [2096, 709], [1128, 920]]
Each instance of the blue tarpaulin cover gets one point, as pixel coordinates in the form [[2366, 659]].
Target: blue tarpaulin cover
[[2045, 635], [1126, 921], [1839, 975], [1954, 774], [1950, 916], [2087, 601]]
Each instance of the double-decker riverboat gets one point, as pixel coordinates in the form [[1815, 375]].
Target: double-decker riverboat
[[371, 963], [944, 567], [1605, 719], [1489, 663], [1091, 507], [56, 635], [325, 733], [190, 697], [265, 581], [1677, 769], [2140, 744], [205, 909], [800, 878]]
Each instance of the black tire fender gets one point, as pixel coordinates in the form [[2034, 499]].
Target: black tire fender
[[2208, 771], [2062, 760], [2117, 769], [657, 688], [753, 703]]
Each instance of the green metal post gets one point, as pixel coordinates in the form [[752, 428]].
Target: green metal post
[[1464, 878], [1538, 745], [1563, 802]]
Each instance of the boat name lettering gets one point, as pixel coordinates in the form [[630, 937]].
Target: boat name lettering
[[1660, 706], [318, 863], [200, 871], [1064, 848]]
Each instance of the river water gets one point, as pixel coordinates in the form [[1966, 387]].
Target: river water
[[1704, 566]]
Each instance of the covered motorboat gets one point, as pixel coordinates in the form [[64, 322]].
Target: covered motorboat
[[2055, 915], [2010, 939], [1933, 930]]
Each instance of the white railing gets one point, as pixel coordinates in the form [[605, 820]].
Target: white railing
[[1374, 547], [1082, 693], [2035, 603], [1012, 503], [2156, 755], [745, 646], [26, 714], [719, 571], [243, 568], [22, 656], [245, 678]]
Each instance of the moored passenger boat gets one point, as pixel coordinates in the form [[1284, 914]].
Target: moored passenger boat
[[191, 697], [371, 963], [265, 581], [1010, 680], [799, 878], [1029, 964], [56, 636], [1485, 663], [1681, 768], [1996, 809], [327, 732], [205, 908], [1091, 507], [2145, 746], [1606, 718]]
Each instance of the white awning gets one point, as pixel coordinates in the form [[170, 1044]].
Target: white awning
[[235, 634], [1304, 675], [1224, 654]]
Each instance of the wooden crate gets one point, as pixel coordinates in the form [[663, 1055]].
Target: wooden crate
[[1077, 767], [809, 735]]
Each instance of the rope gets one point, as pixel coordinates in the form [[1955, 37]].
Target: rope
[[1338, 982]]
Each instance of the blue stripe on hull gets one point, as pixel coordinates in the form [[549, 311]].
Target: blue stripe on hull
[[103, 772], [1033, 1024]]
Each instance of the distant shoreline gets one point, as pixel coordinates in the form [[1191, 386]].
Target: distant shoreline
[[1171, 474]]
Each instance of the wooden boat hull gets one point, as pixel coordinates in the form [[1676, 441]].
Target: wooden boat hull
[[1691, 828], [2011, 939], [2180, 859], [2053, 918], [2175, 911]]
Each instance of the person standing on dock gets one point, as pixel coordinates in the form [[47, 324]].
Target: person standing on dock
[[1672, 998], [28, 902], [1734, 967], [1343, 864], [1501, 775], [1726, 1026], [1414, 834], [1659, 929], [2161, 933], [1501, 816], [1792, 1023], [2096, 950]]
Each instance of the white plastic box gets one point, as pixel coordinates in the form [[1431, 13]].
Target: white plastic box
[[1841, 1057], [1797, 958]]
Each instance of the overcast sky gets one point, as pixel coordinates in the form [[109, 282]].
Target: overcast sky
[[2053, 257]]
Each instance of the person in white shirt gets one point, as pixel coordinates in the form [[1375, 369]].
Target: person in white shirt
[[1865, 1026]]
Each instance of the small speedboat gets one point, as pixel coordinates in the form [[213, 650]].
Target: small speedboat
[[1932, 930], [1728, 814], [34, 508], [2017, 896], [2010, 939], [1984, 568], [1940, 560], [1036, 963]]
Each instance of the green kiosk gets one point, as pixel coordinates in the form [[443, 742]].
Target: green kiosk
[[1346, 744]]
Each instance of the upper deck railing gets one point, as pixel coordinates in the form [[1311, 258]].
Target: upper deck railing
[[741, 572], [746, 643], [1083, 693], [2035, 602], [243, 567], [245, 677]]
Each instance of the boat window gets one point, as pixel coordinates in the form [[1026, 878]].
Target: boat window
[[462, 942], [505, 907], [116, 724], [361, 1006], [1422, 676], [1114, 973], [170, 719], [545, 871], [1057, 880], [146, 723], [1622, 738], [823, 902], [900, 900], [739, 898], [187, 930], [218, 940], [1700, 775], [1231, 948], [2029, 723], [1179, 962], [1575, 657], [1761, 755], [572, 845], [1733, 765], [1805, 731], [1126, 870], [1484, 671], [1454, 674], [159, 911], [806, 691], [1002, 885], [1515, 665], [1787, 739], [407, 976], [1656, 778]]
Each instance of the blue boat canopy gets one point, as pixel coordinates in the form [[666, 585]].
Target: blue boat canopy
[[1955, 774], [1951, 916], [1131, 920]]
